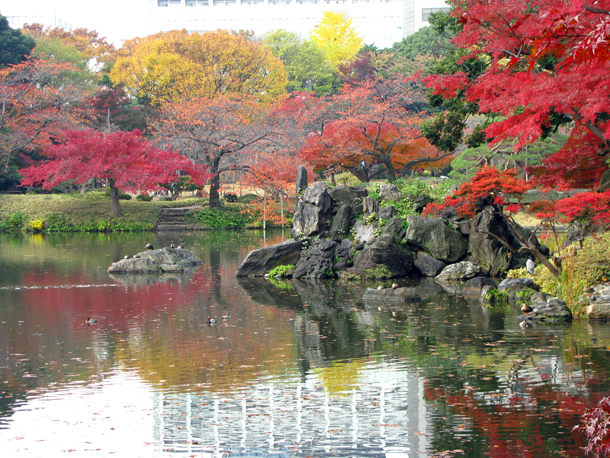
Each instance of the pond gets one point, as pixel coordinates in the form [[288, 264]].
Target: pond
[[290, 369]]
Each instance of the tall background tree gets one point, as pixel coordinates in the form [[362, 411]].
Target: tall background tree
[[337, 38], [14, 46], [170, 66], [306, 64]]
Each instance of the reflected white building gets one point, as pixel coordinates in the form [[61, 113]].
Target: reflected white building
[[379, 22]]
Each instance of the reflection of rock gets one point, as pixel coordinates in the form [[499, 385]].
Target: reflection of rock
[[163, 260], [261, 261], [140, 279], [265, 292], [475, 285], [391, 294]]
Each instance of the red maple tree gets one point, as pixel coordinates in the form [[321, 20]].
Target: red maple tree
[[123, 159], [370, 129], [548, 60]]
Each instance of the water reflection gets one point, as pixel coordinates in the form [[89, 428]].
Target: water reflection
[[296, 368]]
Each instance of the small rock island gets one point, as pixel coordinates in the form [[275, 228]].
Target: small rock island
[[156, 261]]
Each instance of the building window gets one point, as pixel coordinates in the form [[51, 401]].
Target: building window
[[175, 2], [425, 12], [162, 3], [196, 3]]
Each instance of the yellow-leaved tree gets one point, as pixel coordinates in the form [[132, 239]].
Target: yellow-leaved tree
[[337, 38], [171, 66]]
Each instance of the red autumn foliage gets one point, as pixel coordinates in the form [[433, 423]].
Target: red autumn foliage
[[124, 159], [596, 425], [584, 208], [224, 133], [548, 59], [489, 186], [39, 100], [372, 128]]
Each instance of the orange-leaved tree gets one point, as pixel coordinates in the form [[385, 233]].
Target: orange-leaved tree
[[223, 133], [372, 129], [170, 66], [39, 101]]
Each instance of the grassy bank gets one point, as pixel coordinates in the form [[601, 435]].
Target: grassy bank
[[90, 212]]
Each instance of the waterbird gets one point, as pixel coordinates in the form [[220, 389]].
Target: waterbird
[[526, 308], [211, 321], [149, 246], [530, 265], [394, 285], [226, 316], [90, 321]]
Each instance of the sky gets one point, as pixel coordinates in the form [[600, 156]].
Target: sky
[[114, 19]]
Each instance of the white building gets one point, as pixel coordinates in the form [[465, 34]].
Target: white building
[[379, 22]]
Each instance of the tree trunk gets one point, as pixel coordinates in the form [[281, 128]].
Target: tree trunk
[[214, 195], [114, 198]]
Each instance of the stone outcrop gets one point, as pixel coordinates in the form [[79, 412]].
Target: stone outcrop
[[427, 265], [389, 193], [316, 261], [597, 302], [163, 260], [464, 270], [313, 214], [384, 253], [261, 261], [436, 238]]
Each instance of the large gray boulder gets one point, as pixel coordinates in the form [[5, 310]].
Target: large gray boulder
[[389, 193], [316, 261], [384, 255], [434, 237], [464, 270], [261, 261], [427, 265], [348, 195], [365, 233], [314, 211], [341, 221], [163, 260]]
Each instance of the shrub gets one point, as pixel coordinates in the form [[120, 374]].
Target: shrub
[[13, 223], [36, 225], [280, 270], [144, 198], [247, 198], [124, 196]]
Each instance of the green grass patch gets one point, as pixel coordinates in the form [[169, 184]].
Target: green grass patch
[[89, 212], [227, 217]]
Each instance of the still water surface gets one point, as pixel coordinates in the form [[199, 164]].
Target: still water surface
[[298, 370]]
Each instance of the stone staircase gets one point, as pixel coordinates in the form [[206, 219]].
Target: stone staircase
[[174, 219]]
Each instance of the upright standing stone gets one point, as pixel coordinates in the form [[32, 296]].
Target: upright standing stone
[[301, 178]]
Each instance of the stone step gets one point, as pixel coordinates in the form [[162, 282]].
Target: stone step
[[174, 227]]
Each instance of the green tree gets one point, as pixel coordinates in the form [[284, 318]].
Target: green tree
[[14, 46], [307, 66], [425, 42], [337, 38]]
